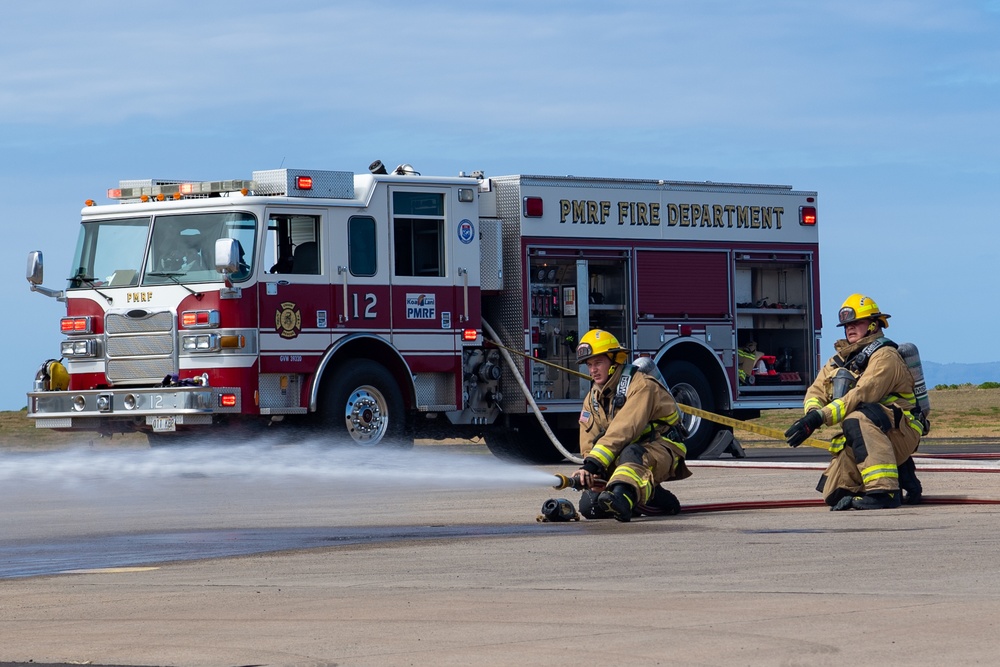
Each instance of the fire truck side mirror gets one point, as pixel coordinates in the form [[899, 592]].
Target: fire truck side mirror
[[227, 256], [34, 272]]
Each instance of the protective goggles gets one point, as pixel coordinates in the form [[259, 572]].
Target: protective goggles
[[847, 315]]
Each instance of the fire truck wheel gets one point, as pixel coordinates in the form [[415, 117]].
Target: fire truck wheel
[[688, 385], [363, 401]]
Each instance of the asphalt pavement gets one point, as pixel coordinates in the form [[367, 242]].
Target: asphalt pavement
[[225, 569]]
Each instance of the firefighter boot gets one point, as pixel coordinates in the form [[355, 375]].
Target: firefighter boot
[[881, 500], [618, 500], [590, 508], [909, 484]]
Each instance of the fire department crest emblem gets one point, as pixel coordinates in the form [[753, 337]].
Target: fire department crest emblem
[[288, 320]]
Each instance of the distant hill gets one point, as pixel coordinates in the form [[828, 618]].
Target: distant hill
[[935, 373]]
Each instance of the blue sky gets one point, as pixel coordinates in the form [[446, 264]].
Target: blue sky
[[888, 109]]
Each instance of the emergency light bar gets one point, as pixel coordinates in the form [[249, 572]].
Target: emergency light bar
[[162, 190], [288, 182]]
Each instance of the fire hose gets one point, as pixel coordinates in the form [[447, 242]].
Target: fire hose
[[554, 510], [505, 353]]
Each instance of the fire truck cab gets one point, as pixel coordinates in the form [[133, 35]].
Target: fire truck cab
[[356, 304]]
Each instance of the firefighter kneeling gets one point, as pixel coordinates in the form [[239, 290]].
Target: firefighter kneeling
[[630, 435], [868, 389]]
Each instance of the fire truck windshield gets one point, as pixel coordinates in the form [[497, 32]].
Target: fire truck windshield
[[181, 249], [109, 253]]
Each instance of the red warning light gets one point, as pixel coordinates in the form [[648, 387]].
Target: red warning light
[[533, 207], [303, 182], [807, 215]]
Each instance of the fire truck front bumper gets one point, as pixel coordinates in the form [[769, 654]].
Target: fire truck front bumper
[[157, 409]]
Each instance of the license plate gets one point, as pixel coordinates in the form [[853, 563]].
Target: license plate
[[162, 424]]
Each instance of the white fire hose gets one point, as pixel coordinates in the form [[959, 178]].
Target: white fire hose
[[575, 458]]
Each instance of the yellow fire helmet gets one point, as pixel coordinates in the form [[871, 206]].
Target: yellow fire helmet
[[860, 307], [596, 342]]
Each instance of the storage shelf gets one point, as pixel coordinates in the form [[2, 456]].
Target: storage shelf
[[770, 388], [770, 311]]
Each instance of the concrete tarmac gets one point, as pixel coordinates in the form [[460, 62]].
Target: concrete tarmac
[[466, 576]]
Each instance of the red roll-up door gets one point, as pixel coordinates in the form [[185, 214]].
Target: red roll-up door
[[679, 283]]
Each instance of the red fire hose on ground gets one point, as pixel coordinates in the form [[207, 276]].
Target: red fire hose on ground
[[564, 482]]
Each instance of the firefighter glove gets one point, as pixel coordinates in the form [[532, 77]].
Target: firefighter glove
[[803, 428], [584, 478]]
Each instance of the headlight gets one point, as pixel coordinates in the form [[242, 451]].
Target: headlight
[[200, 343], [78, 348]]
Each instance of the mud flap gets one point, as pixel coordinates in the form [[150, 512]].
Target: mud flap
[[724, 443]]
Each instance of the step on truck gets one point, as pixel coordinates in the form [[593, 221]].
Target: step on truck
[[376, 307]]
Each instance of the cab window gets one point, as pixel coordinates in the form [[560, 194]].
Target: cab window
[[292, 245], [361, 243], [418, 234]]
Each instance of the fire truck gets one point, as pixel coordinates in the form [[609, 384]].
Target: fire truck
[[373, 307]]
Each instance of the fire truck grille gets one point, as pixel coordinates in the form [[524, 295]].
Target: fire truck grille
[[131, 346], [140, 346], [119, 323], [126, 371]]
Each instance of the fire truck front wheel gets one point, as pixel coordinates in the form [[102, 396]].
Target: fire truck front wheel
[[690, 387], [364, 402]]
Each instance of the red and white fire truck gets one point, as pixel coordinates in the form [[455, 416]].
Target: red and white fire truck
[[367, 304]]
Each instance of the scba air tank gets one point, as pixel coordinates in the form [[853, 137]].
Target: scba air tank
[[646, 365], [912, 358]]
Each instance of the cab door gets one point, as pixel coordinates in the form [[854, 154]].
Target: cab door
[[295, 304], [424, 280], [360, 272]]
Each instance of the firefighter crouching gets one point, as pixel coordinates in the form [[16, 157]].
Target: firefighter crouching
[[630, 435], [867, 388]]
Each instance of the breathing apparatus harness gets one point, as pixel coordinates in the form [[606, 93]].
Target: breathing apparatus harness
[[849, 371], [676, 432]]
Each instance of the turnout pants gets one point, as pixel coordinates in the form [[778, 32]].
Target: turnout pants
[[644, 466], [876, 439]]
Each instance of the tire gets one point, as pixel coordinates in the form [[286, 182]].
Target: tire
[[523, 441], [363, 406], [689, 386]]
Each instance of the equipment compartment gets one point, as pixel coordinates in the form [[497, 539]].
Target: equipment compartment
[[773, 323]]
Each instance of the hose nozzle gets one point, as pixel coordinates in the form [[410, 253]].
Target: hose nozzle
[[564, 482]]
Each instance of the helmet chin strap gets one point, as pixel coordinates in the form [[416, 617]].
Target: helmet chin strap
[[613, 366]]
